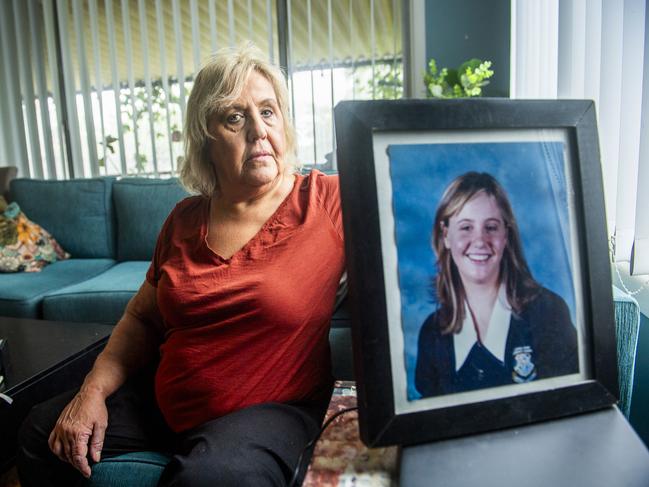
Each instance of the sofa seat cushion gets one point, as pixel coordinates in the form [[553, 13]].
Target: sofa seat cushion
[[22, 293], [101, 299], [77, 212], [142, 205], [137, 469]]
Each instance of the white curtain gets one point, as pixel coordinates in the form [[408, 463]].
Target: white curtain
[[595, 49]]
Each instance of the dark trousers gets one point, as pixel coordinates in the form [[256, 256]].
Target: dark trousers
[[255, 446]]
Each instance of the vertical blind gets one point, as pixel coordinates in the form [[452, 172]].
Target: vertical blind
[[100, 86], [599, 50]]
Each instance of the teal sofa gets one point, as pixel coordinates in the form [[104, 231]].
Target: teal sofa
[[108, 226]]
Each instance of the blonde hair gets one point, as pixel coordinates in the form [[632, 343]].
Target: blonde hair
[[217, 85], [520, 286]]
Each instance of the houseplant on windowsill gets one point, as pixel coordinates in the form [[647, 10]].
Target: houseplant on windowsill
[[466, 81]]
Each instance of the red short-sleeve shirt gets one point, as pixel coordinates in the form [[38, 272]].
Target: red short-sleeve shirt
[[252, 328]]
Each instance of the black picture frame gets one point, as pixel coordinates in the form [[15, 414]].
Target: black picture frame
[[359, 125]]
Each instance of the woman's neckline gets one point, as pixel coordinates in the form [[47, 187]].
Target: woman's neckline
[[270, 221]]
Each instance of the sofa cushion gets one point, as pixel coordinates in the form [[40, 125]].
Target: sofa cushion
[[22, 293], [24, 245], [141, 206], [101, 299], [340, 341], [78, 213], [136, 469]]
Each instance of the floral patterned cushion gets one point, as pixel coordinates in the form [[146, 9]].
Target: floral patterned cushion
[[24, 245]]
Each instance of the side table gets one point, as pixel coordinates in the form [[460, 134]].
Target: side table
[[597, 449], [42, 359]]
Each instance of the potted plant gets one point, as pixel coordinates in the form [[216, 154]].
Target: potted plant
[[465, 81]]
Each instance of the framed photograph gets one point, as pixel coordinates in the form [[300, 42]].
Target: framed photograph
[[478, 264]]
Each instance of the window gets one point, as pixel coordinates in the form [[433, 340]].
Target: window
[[101, 85]]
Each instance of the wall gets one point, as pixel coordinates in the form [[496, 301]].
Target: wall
[[463, 29]]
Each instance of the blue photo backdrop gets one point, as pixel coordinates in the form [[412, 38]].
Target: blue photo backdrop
[[532, 174]]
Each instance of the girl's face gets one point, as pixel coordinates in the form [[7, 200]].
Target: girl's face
[[476, 237]]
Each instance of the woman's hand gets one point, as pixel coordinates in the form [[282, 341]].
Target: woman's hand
[[79, 431]]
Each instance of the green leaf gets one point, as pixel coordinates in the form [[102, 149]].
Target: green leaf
[[472, 63], [432, 66], [452, 77], [140, 162]]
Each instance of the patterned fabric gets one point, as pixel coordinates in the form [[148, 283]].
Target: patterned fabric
[[24, 245], [340, 459]]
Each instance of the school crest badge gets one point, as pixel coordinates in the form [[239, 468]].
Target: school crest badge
[[524, 369]]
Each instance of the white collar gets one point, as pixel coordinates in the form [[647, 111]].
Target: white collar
[[496, 339]]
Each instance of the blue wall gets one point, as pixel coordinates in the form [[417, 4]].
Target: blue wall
[[639, 416], [459, 30]]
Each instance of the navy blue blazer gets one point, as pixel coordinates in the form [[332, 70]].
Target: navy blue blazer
[[541, 343]]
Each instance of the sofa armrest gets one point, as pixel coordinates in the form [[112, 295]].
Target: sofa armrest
[[627, 326], [6, 175]]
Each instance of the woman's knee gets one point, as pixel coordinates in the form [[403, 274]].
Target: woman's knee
[[36, 464], [252, 467], [34, 431], [256, 446]]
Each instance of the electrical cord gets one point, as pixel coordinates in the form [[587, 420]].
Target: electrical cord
[[310, 444]]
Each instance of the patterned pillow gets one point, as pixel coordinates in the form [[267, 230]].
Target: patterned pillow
[[24, 245]]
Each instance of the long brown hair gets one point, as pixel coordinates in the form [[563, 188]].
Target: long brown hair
[[520, 286]]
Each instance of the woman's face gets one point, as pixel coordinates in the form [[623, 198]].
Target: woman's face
[[249, 138], [476, 237]]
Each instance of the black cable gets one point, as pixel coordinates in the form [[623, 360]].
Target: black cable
[[298, 467]]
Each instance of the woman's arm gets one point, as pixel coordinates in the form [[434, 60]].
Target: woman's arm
[[80, 429], [133, 343]]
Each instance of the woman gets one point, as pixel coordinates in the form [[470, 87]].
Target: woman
[[494, 324], [236, 302]]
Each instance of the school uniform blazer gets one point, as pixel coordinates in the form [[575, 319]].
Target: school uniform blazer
[[541, 343]]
